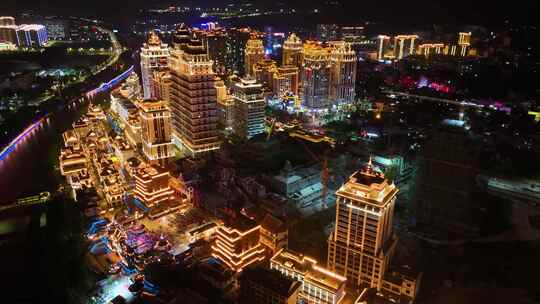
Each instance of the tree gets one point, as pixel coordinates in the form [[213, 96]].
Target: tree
[[59, 251]]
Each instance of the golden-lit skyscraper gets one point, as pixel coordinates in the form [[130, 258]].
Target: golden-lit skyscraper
[[315, 75], [263, 72], [225, 105], [342, 73], [400, 45], [155, 119], [383, 45], [7, 21], [161, 82], [464, 42], [154, 56], [285, 81], [292, 51], [193, 97], [362, 242], [428, 49], [249, 106], [253, 53]]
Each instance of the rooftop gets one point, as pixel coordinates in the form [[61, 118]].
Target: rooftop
[[368, 175], [273, 224], [272, 280]]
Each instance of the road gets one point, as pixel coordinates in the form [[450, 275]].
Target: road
[[117, 50], [435, 99], [515, 189]]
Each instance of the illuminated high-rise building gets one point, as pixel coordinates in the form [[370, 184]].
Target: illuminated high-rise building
[[219, 49], [249, 106], [383, 46], [464, 42], [7, 20], [154, 56], [31, 35], [263, 72], [8, 33], [193, 95], [342, 74], [362, 242], [8, 30], [292, 51], [161, 82], [285, 81], [315, 75], [428, 49], [155, 119], [237, 40], [253, 53], [400, 45], [225, 106]]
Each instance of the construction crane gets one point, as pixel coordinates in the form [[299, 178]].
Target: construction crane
[[325, 176], [325, 173], [272, 124]]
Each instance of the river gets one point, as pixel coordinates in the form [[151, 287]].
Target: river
[[31, 167]]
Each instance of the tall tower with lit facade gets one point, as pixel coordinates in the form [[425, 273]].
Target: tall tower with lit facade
[[155, 118], [193, 95], [400, 45], [292, 51], [249, 108], [154, 56], [342, 73], [382, 46], [285, 81], [362, 243], [7, 21], [253, 53], [315, 75], [464, 41]]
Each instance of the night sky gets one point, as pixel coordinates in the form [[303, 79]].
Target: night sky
[[417, 11]]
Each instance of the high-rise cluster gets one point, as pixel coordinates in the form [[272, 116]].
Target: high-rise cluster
[[328, 74], [404, 45]]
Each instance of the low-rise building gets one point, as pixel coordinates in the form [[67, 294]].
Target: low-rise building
[[263, 286], [401, 284], [123, 149], [319, 285], [238, 246], [274, 234], [301, 184], [152, 185]]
